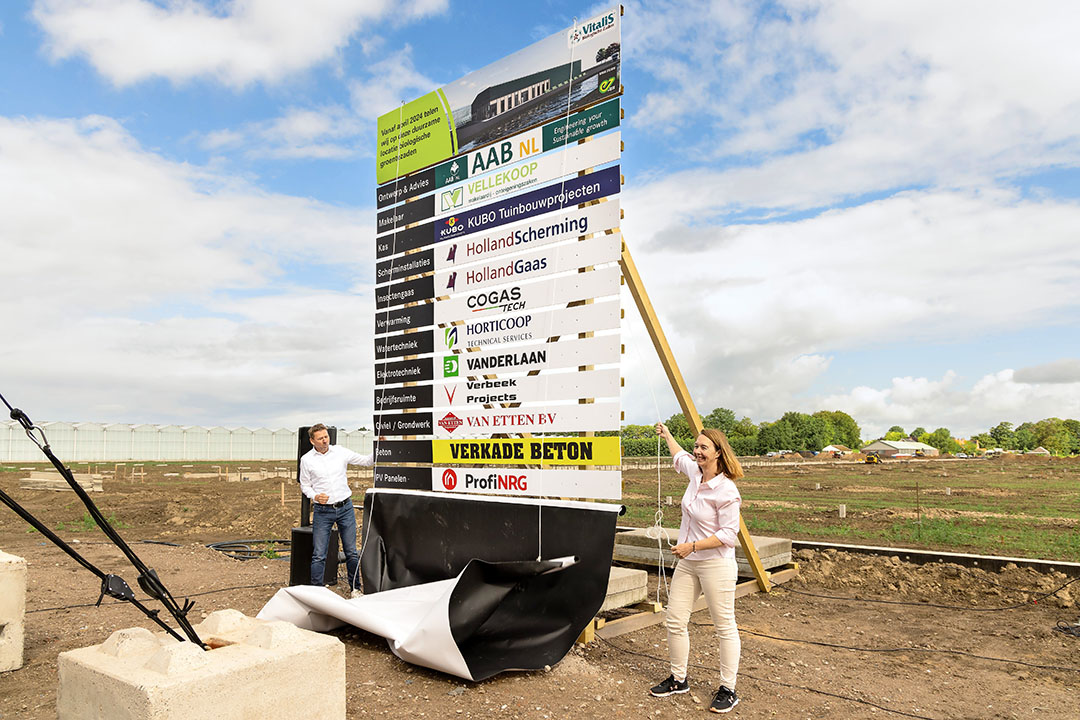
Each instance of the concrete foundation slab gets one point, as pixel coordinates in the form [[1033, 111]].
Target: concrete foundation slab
[[636, 547], [626, 586], [259, 669], [12, 610]]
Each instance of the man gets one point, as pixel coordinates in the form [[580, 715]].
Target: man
[[323, 480]]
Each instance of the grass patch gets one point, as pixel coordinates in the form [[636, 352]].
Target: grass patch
[[88, 523]]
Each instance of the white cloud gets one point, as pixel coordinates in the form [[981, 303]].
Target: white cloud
[[912, 402], [755, 317], [817, 102], [148, 290], [330, 131], [237, 42]]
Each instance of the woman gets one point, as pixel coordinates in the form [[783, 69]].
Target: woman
[[706, 551]]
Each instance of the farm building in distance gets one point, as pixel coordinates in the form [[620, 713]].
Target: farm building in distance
[[892, 448], [837, 448]]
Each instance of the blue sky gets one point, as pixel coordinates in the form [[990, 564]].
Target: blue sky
[[870, 207]]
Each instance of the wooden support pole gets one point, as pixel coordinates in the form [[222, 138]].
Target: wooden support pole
[[667, 359]]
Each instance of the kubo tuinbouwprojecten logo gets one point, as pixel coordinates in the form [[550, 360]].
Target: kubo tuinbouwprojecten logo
[[452, 199]]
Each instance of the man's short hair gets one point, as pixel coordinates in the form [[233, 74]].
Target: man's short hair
[[314, 429]]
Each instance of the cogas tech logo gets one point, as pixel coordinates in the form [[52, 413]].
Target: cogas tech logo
[[505, 299], [450, 422], [450, 366], [450, 337], [449, 479]]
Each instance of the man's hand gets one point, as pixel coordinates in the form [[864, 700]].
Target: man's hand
[[322, 498]]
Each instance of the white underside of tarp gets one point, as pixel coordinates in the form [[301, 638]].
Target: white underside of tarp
[[415, 620]]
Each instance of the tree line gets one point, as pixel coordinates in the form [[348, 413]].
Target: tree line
[[802, 432]]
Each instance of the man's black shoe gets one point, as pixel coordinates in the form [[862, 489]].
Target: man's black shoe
[[671, 686], [725, 700]]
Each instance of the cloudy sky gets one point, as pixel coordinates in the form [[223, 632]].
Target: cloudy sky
[[868, 207]]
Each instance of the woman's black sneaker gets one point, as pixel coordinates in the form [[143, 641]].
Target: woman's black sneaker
[[725, 700], [671, 686]]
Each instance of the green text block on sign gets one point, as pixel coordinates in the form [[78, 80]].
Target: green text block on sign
[[418, 134]]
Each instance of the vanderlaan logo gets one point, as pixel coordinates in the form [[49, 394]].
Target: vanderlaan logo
[[450, 366], [450, 422]]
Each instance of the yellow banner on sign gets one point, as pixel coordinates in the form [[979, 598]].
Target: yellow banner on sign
[[528, 451]]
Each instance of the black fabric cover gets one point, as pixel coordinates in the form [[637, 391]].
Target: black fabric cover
[[521, 615]]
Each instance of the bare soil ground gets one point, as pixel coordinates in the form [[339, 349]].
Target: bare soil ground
[[901, 656]]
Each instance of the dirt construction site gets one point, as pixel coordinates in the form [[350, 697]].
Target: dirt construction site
[[852, 636]]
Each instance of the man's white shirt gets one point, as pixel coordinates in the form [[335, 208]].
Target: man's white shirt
[[325, 472]]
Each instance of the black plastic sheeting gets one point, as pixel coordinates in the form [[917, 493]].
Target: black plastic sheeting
[[502, 617]]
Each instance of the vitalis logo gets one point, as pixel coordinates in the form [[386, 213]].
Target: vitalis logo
[[590, 29], [450, 338], [450, 422], [449, 479]]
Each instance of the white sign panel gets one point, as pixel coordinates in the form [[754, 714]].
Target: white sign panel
[[602, 350], [483, 422], [528, 296], [558, 387], [530, 326], [543, 230], [526, 266], [601, 484]]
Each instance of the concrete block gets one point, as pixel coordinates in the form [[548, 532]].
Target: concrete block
[[12, 610], [635, 546], [257, 670], [626, 586]]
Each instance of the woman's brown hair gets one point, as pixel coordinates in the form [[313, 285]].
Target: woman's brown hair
[[726, 461]]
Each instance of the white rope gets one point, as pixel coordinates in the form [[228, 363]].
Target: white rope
[[657, 531]]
